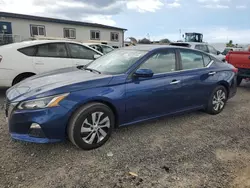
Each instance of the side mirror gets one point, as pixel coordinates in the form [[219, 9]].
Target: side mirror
[[218, 52], [96, 56], [144, 73]]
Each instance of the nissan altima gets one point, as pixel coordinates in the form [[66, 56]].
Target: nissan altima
[[126, 86]]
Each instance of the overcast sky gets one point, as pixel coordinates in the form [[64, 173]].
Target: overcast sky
[[218, 20]]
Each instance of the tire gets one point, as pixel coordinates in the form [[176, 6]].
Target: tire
[[21, 78], [239, 80], [214, 105], [82, 131]]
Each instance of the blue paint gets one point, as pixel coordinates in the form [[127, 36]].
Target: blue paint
[[27, 138], [8, 27], [134, 99]]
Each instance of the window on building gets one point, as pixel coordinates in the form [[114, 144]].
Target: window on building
[[114, 36], [162, 62], [37, 30], [95, 35], [191, 59], [69, 33], [81, 52], [52, 50]]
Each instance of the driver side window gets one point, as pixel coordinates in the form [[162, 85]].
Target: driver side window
[[161, 62]]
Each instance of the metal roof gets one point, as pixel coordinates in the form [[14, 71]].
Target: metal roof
[[55, 20]]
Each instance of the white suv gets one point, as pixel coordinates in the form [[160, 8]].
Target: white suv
[[22, 60], [202, 47]]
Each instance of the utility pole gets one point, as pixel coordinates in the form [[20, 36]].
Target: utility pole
[[180, 33]]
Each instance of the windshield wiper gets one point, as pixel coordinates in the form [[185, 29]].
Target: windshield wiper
[[89, 69]]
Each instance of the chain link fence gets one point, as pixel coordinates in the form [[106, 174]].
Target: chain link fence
[[8, 39]]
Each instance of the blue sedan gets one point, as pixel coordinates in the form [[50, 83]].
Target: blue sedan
[[126, 86]]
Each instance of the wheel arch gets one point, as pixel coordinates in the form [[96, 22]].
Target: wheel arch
[[226, 85], [21, 75], [103, 101]]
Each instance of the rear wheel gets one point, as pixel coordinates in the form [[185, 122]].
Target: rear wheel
[[217, 100], [22, 77], [91, 126], [239, 80]]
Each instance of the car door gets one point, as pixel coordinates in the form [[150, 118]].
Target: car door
[[51, 56], [81, 55], [197, 77], [157, 95]]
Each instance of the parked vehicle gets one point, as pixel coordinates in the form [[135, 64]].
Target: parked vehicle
[[228, 49], [203, 47], [240, 60], [103, 48], [126, 86], [19, 61]]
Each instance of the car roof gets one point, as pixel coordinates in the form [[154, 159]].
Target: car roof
[[35, 42], [96, 44], [146, 47]]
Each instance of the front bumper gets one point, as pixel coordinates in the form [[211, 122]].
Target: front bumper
[[52, 124]]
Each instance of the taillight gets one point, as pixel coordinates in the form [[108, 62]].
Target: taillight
[[235, 70], [227, 58], [1, 58]]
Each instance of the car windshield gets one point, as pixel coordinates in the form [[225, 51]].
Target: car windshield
[[116, 62]]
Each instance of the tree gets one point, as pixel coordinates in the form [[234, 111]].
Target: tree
[[164, 41], [230, 44], [144, 41]]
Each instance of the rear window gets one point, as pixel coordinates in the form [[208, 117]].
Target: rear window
[[29, 51]]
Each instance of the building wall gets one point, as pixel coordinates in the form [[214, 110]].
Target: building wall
[[21, 28]]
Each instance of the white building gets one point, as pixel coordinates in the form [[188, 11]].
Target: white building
[[21, 27]]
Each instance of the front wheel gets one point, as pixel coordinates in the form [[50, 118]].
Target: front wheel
[[217, 100], [91, 126]]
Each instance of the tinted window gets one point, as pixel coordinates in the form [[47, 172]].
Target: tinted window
[[191, 59], [81, 52], [97, 47], [161, 62], [52, 50], [206, 59], [212, 50], [29, 51], [202, 48], [106, 49]]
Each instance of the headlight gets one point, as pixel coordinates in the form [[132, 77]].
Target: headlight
[[46, 102]]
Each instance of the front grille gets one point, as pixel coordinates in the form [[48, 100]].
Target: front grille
[[38, 133]]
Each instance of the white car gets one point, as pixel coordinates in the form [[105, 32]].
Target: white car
[[203, 47], [19, 61], [103, 48]]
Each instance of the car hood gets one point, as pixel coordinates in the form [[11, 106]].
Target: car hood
[[45, 82]]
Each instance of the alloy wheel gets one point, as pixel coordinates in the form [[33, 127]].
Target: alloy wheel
[[95, 127], [219, 100]]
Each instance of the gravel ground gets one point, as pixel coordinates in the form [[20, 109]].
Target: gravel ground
[[191, 150]]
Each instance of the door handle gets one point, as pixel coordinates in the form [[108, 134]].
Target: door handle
[[175, 82], [248, 57], [39, 63], [211, 73]]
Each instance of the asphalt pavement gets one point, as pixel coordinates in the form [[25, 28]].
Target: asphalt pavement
[[191, 150]]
